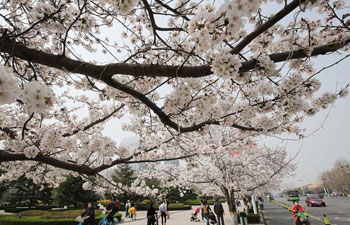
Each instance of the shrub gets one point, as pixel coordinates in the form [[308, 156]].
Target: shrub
[[252, 218], [45, 207], [192, 202], [33, 213], [104, 202], [15, 210], [198, 202], [179, 206], [69, 214]]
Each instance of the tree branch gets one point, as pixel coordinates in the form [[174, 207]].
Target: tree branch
[[17, 49], [269, 23], [82, 169], [95, 122]]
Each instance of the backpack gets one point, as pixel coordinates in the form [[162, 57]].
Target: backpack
[[205, 210]]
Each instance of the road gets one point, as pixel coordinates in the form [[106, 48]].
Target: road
[[337, 211]]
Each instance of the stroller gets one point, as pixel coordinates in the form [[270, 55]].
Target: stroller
[[194, 214], [212, 218]]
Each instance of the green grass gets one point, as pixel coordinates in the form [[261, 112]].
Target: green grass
[[40, 217]]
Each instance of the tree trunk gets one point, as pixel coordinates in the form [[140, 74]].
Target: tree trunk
[[230, 198], [31, 198]]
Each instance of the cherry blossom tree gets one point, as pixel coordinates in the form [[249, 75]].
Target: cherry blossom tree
[[234, 167], [173, 68]]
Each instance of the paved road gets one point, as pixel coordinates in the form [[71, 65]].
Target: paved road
[[337, 211]]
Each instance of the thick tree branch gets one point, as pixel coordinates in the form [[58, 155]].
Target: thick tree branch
[[159, 160], [269, 23], [16, 49], [82, 169]]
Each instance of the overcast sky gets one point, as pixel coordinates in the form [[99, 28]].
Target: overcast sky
[[324, 146]]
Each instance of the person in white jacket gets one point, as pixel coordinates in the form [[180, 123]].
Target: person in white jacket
[[163, 212]]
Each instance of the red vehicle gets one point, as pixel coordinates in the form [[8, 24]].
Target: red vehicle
[[314, 201]]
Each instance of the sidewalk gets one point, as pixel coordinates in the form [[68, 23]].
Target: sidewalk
[[2, 212], [176, 218]]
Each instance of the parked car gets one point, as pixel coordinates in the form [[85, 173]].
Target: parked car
[[314, 201]]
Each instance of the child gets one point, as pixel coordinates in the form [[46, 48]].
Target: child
[[132, 212]]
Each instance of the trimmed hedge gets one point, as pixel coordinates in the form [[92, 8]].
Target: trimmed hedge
[[13, 209], [16, 210], [33, 220], [198, 202], [179, 206], [252, 218], [172, 206]]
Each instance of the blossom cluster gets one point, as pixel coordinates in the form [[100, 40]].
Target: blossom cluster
[[37, 97]]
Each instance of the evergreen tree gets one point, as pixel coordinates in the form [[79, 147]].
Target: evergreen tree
[[3, 185], [71, 192], [24, 191], [125, 175]]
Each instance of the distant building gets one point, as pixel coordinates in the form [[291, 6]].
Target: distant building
[[132, 143], [313, 188], [174, 162]]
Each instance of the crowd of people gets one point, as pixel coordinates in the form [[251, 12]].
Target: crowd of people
[[211, 216], [153, 215]]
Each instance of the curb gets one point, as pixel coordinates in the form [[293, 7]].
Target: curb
[[262, 216]]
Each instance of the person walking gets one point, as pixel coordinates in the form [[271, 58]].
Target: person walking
[[219, 211], [167, 207], [206, 211], [151, 219], [127, 206], [261, 202], [202, 206], [163, 212]]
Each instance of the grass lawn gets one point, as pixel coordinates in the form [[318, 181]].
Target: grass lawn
[[42, 217]]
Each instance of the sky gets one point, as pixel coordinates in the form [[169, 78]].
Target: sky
[[328, 131], [329, 134]]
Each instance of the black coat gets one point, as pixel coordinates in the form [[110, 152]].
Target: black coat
[[112, 207], [151, 212], [218, 209], [90, 212]]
